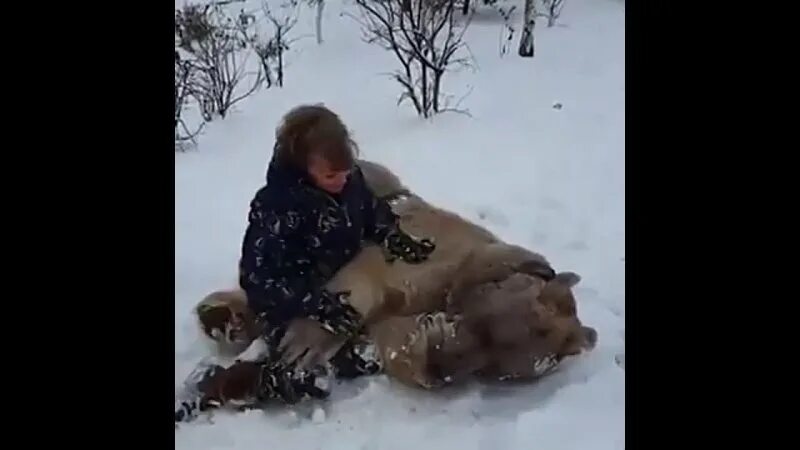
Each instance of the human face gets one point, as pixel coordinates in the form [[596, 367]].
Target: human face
[[324, 176]]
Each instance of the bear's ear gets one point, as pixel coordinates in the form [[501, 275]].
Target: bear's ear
[[568, 279], [537, 268]]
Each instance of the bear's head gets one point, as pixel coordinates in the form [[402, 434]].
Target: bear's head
[[519, 327]]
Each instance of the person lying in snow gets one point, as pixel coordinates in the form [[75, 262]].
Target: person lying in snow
[[306, 223]]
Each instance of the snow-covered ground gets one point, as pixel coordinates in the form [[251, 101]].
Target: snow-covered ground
[[545, 178]]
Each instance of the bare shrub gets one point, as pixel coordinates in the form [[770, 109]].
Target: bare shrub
[[282, 23], [212, 41], [267, 33], [185, 73], [425, 37]]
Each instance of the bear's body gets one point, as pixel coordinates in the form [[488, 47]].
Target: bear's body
[[477, 306]]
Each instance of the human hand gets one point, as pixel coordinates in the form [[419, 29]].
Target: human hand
[[307, 343]]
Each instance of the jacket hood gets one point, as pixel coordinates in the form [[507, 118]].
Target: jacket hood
[[279, 174]]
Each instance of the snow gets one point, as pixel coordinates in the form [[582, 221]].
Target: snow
[[318, 416], [549, 179], [255, 351]]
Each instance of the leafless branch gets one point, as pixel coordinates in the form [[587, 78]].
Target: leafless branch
[[456, 108], [187, 136], [282, 23], [425, 38], [458, 111], [225, 2], [553, 8], [185, 79], [214, 44], [508, 29]]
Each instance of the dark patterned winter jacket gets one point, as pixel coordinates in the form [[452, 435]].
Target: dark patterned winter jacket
[[299, 236]]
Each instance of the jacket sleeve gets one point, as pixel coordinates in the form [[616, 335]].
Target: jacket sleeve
[[380, 220], [279, 275]]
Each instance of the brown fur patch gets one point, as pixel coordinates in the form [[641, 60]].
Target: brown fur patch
[[519, 327], [226, 319], [238, 383], [380, 180]]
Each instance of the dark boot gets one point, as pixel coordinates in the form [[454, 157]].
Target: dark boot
[[278, 382]]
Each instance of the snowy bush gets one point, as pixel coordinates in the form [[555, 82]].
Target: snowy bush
[[267, 33], [425, 37], [212, 42], [222, 58], [185, 73]]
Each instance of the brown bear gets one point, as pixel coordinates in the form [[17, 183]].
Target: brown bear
[[476, 307]]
